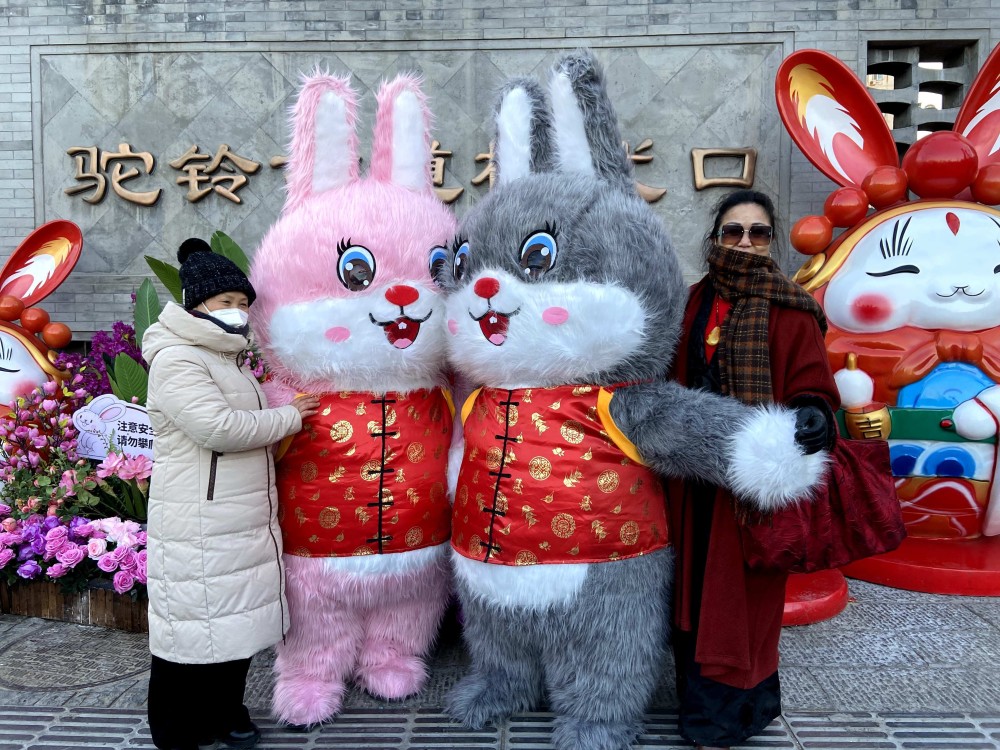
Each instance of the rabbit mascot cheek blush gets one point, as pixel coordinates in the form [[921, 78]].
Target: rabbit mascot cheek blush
[[348, 309], [565, 301]]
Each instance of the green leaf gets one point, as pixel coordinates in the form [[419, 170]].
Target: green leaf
[[131, 378], [168, 274], [147, 308], [223, 244]]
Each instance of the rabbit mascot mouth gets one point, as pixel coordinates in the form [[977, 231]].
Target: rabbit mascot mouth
[[565, 299], [348, 309]]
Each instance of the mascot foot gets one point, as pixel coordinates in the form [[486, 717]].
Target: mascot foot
[[474, 701], [575, 734], [306, 701], [394, 678]]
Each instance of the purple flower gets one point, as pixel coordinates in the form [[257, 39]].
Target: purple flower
[[57, 571], [71, 556], [4, 510], [123, 581], [51, 522], [107, 562], [6, 555], [37, 545], [129, 561], [29, 569], [26, 553], [140, 573]]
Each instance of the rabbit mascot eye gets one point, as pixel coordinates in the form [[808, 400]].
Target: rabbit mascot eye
[[348, 309], [565, 299], [912, 295]]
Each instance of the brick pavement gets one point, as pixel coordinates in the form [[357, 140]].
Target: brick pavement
[[896, 669]]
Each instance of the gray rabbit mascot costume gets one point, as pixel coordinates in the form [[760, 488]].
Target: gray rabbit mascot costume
[[565, 301]]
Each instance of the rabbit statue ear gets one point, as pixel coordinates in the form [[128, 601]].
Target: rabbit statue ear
[[523, 142], [979, 118], [586, 128], [832, 117], [324, 148], [42, 261], [401, 146]]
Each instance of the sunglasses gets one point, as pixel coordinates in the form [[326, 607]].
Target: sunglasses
[[731, 235]]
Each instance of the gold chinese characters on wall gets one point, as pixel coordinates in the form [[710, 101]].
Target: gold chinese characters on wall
[[225, 172]]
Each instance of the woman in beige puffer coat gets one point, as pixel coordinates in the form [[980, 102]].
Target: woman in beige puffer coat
[[215, 581]]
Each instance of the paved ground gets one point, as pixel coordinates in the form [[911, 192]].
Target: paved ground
[[896, 669]]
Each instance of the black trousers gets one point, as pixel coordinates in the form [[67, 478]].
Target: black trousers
[[192, 704]]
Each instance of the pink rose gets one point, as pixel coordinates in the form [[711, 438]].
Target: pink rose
[[107, 562], [96, 548], [6, 555], [140, 572], [71, 556], [56, 540], [84, 530], [9, 525], [123, 581], [140, 538], [57, 571], [136, 467], [121, 553], [110, 466], [128, 561]]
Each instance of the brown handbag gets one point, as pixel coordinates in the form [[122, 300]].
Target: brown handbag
[[854, 515]]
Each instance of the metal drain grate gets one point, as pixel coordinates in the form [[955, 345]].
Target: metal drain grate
[[53, 728]]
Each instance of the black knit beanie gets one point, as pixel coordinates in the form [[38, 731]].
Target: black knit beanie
[[205, 274]]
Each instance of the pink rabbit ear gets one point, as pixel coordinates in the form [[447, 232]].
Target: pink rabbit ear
[[42, 261], [979, 118], [401, 147], [832, 118], [324, 148]]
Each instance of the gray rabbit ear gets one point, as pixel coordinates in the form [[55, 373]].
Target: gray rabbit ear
[[523, 131], [584, 122]]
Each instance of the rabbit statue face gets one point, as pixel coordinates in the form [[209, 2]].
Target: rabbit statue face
[[928, 267], [559, 277], [346, 293]]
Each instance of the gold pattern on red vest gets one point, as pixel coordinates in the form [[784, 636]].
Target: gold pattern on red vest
[[366, 475], [543, 480]]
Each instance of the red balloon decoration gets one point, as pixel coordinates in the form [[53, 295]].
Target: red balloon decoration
[[885, 186], [986, 188], [846, 207], [941, 165], [812, 234]]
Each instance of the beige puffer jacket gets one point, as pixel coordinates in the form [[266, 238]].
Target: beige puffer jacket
[[216, 585]]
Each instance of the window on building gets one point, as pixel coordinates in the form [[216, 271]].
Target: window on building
[[919, 86]]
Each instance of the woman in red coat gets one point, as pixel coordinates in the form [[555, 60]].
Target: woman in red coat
[[751, 333]]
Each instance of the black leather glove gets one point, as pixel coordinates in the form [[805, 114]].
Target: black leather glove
[[812, 431]]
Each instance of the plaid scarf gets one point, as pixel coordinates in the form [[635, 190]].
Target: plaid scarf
[[752, 283]]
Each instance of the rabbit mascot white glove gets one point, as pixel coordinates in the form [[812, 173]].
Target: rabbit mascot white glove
[[565, 304], [347, 308]]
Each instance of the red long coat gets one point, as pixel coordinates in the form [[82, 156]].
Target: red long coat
[[740, 616]]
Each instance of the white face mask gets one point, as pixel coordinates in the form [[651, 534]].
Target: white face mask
[[231, 316]]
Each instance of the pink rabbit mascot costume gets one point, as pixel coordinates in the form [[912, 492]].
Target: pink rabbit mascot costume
[[348, 309]]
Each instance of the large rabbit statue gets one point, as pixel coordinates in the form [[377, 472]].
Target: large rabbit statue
[[912, 297], [564, 304], [347, 308]]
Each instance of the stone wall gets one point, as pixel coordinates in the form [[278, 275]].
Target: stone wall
[[164, 77]]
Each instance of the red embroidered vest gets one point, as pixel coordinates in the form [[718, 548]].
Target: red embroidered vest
[[366, 475], [547, 477]]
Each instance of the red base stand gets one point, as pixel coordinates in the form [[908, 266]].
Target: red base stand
[[814, 597], [936, 566]]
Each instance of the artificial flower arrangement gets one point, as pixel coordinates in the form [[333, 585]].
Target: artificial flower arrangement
[[61, 515], [66, 518]]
